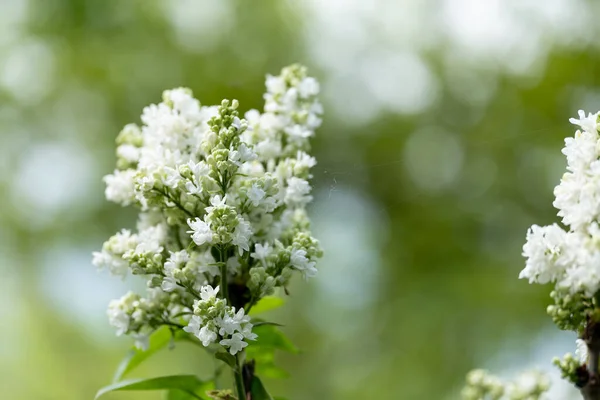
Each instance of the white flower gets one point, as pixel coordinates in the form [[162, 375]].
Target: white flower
[[299, 132], [206, 336], [176, 260], [241, 235], [128, 152], [150, 240], [261, 251], [119, 312], [247, 332], [120, 187], [194, 325], [242, 154], [545, 251], [171, 177], [256, 194], [235, 344], [297, 192], [201, 232], [308, 87], [115, 264], [299, 261], [303, 162], [275, 84], [169, 284], [199, 170], [588, 124], [227, 325], [208, 293]]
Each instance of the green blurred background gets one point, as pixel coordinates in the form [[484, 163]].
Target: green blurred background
[[441, 144]]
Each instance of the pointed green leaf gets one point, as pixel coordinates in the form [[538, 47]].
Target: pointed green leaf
[[188, 384], [258, 322], [159, 339], [265, 304], [227, 358], [258, 390], [271, 336]]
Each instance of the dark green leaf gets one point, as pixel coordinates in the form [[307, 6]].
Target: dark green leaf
[[227, 358], [265, 304], [259, 323], [271, 336], [188, 384], [258, 390], [159, 339]]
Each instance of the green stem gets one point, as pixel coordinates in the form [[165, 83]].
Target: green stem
[[239, 379], [223, 265]]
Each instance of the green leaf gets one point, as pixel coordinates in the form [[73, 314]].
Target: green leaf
[[175, 394], [272, 337], [159, 339], [265, 304], [188, 384], [258, 322], [258, 390], [227, 358]]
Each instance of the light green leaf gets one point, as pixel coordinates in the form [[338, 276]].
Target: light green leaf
[[258, 390], [265, 304], [159, 339], [271, 336], [175, 394], [227, 358], [188, 384]]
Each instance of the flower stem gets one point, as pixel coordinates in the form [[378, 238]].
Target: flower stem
[[239, 379], [223, 265]]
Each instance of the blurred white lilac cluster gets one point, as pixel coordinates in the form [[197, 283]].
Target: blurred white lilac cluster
[[222, 218], [481, 385]]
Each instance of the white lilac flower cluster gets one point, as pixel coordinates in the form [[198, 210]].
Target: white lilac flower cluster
[[481, 385], [222, 201], [570, 257]]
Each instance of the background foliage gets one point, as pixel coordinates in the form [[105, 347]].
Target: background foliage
[[441, 145]]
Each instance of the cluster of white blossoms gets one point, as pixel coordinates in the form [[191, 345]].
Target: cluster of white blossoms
[[481, 385], [570, 257], [222, 202]]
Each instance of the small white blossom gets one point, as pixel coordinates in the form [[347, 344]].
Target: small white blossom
[[241, 235], [297, 192], [120, 187], [201, 232], [235, 344], [256, 194], [208, 293], [206, 336], [588, 124]]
